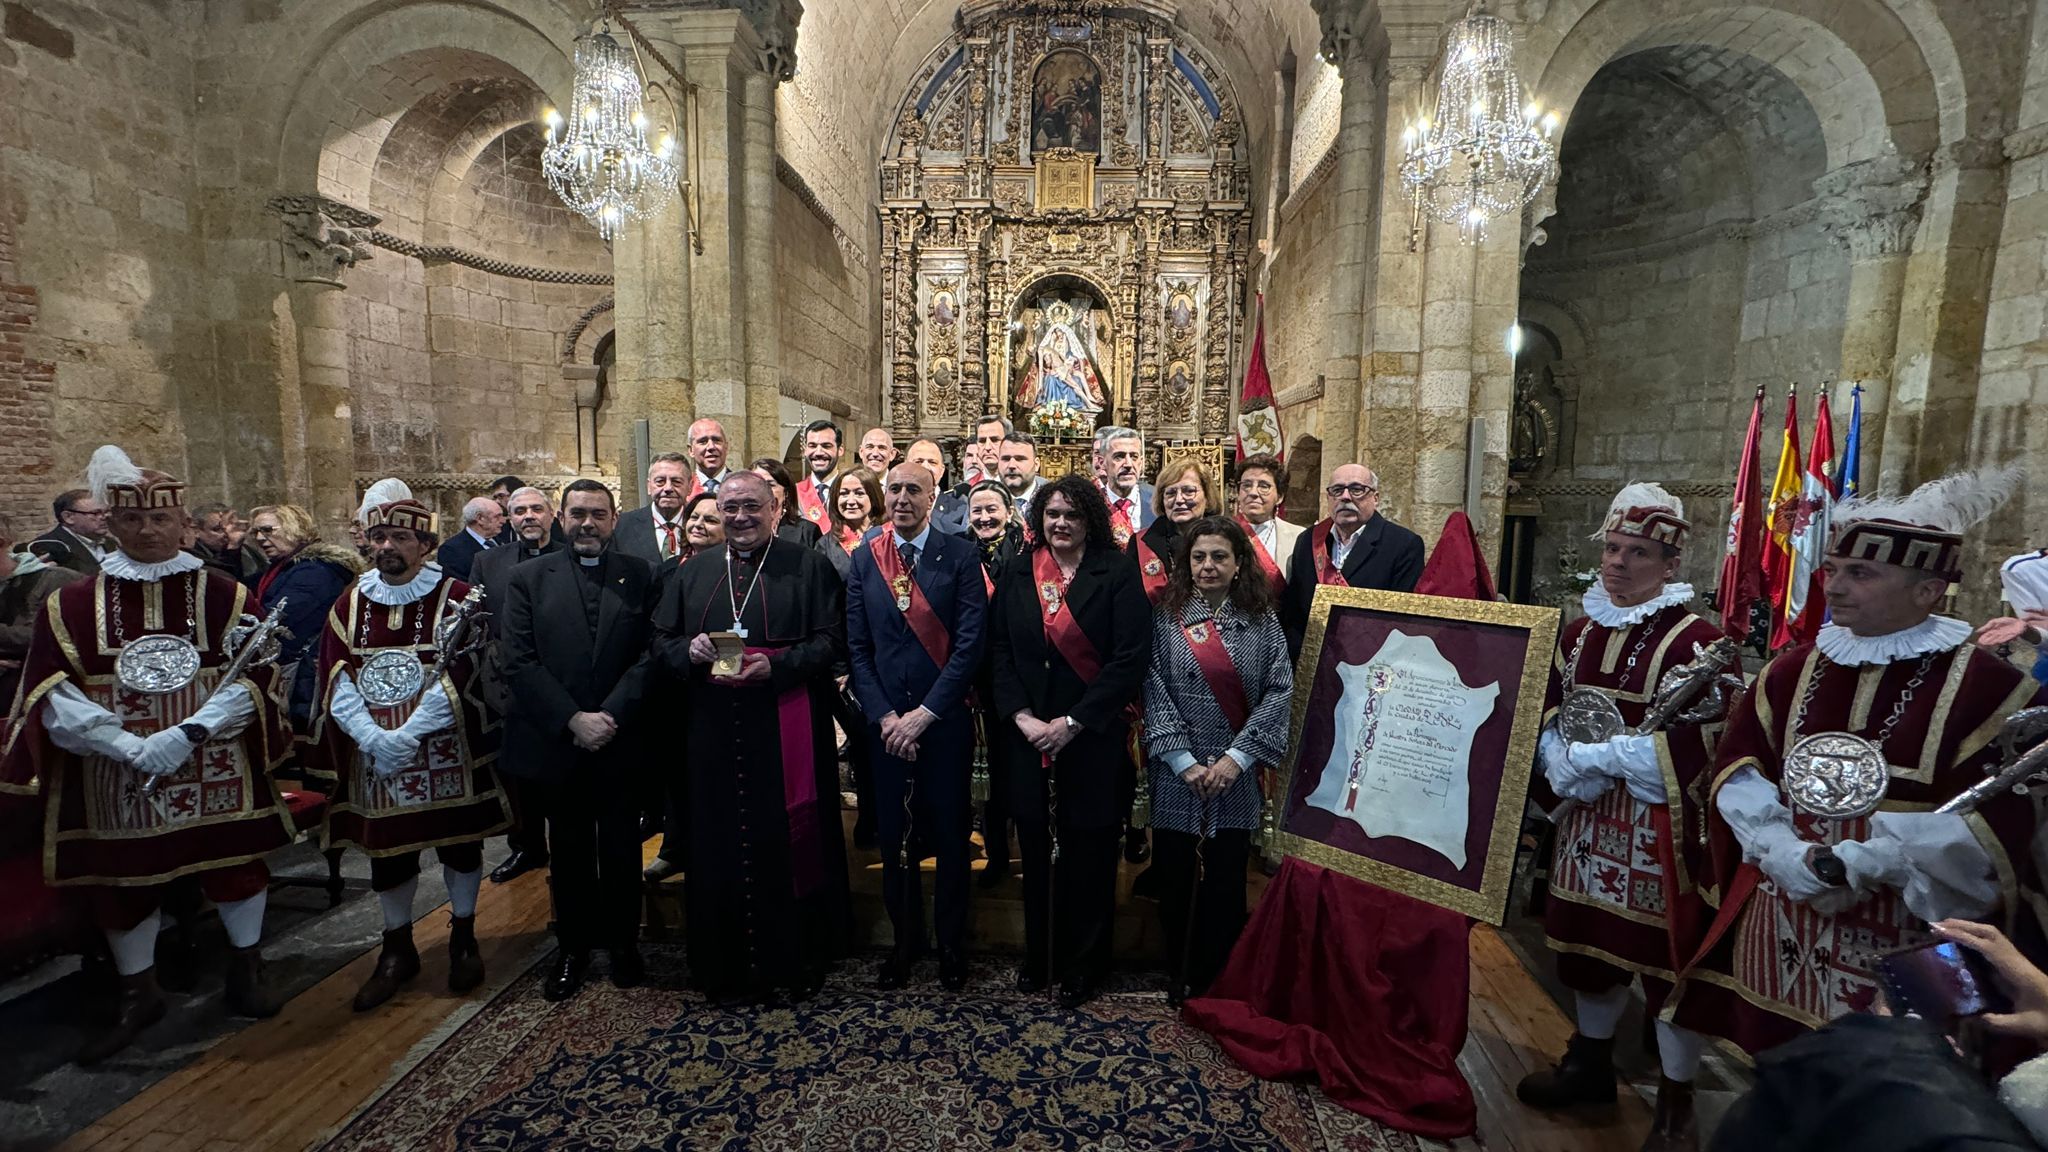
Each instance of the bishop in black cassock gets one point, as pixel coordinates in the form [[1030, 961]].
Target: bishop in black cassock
[[766, 881]]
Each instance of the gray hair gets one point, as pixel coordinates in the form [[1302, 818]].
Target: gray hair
[[544, 497], [1110, 435], [478, 506], [997, 418]]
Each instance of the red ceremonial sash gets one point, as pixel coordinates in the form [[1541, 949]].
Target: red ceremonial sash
[[809, 502], [1060, 629], [1205, 641], [799, 787], [1266, 562], [1120, 525], [1319, 543], [988, 582], [1153, 570], [848, 538], [917, 611]]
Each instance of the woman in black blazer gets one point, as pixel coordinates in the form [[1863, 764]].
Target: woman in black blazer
[[998, 535], [1072, 599]]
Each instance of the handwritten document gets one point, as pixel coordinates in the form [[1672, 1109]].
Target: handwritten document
[[1399, 765]]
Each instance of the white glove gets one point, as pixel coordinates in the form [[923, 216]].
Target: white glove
[[125, 745], [163, 753], [392, 752], [226, 715], [433, 715], [1874, 863], [1629, 759], [1568, 777], [1784, 861]]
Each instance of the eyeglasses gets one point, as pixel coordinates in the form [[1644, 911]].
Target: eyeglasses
[[1355, 491], [266, 531], [750, 508], [102, 514]]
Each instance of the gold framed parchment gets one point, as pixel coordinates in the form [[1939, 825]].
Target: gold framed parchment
[[1413, 736]]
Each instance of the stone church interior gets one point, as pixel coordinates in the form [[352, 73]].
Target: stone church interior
[[1531, 284]]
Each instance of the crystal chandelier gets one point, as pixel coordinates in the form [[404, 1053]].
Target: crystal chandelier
[[1486, 152], [602, 165]]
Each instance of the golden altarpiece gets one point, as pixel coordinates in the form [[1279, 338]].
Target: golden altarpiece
[[1065, 230]]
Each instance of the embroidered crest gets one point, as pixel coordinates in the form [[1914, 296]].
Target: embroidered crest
[[1122, 532], [1199, 633], [1152, 567], [901, 586], [1049, 594]]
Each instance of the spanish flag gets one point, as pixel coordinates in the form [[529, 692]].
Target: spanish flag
[[1782, 504]]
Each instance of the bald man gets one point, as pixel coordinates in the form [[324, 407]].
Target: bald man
[[949, 511], [707, 447], [1354, 546], [483, 521]]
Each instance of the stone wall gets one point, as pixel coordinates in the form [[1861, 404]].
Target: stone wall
[[825, 299], [1299, 277], [96, 167], [27, 395]]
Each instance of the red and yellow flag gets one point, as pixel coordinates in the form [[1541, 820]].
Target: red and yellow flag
[[1741, 564], [1812, 509], [1779, 509]]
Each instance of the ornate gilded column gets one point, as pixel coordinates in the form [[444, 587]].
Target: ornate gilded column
[[976, 111], [323, 239], [1159, 63]]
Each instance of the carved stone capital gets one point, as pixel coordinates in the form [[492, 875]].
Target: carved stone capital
[[1872, 206], [1350, 30], [323, 237], [1540, 209], [774, 21]]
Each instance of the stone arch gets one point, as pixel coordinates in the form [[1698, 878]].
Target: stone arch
[[1859, 65], [369, 68]]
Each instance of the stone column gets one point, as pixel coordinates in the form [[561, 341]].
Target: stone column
[[583, 384], [762, 318], [323, 239], [1872, 208], [1346, 43]]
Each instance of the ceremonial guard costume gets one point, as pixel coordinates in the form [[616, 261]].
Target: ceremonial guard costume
[[153, 760], [1624, 895], [1824, 826], [401, 736]]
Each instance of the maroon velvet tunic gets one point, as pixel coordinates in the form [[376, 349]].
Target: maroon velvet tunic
[[220, 807], [1781, 967], [1625, 882], [450, 795]]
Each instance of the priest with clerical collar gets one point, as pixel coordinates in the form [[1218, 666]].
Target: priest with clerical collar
[[1624, 896], [150, 766], [1828, 845], [766, 881]]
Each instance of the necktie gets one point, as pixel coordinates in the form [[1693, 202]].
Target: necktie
[[1123, 505], [908, 552], [711, 484], [669, 545]]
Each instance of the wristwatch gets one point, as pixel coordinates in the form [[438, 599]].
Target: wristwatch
[[1073, 725], [1828, 867], [196, 733]]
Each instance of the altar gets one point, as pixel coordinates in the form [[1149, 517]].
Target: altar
[[1065, 233]]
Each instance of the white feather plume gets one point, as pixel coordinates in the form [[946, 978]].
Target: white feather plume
[[382, 492], [110, 466], [1955, 503], [1642, 494]]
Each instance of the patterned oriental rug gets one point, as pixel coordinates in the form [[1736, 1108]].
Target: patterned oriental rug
[[851, 1070]]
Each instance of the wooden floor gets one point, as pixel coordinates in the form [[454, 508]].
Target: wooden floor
[[279, 1084]]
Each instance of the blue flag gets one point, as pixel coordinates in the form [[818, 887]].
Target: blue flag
[[1845, 473]]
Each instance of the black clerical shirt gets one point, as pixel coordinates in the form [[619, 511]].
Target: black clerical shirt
[[591, 569]]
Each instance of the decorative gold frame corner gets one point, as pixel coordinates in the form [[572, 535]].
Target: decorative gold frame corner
[[1497, 877]]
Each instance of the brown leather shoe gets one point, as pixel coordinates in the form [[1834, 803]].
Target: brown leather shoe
[[398, 963], [139, 1004], [1675, 1128], [249, 992], [1585, 1075], [465, 960]]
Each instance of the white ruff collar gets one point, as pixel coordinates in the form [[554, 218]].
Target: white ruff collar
[[371, 584], [122, 566], [1934, 634], [1602, 608]]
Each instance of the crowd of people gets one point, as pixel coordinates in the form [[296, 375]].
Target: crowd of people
[[1098, 666]]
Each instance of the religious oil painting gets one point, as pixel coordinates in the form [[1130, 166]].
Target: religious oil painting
[[1414, 741], [1066, 104]]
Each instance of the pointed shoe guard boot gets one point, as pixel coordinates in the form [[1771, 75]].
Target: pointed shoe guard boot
[[465, 959], [1585, 1075], [1675, 1128], [396, 964], [139, 1003]]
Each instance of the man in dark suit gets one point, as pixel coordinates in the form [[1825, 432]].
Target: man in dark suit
[[482, 520], [1354, 546], [654, 531], [949, 508], [532, 525], [1120, 461], [76, 541], [915, 601], [574, 643]]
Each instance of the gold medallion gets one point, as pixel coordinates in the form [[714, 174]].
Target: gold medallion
[[901, 585]]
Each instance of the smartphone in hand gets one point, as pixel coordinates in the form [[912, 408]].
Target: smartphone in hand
[[1941, 982]]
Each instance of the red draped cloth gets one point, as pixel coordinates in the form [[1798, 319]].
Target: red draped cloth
[[1363, 989]]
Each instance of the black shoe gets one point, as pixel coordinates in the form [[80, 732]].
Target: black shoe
[[1137, 849], [1584, 1075], [518, 864], [864, 834], [397, 964], [994, 872], [250, 992], [1145, 885], [628, 969], [660, 870], [139, 1004], [565, 975], [952, 969], [1075, 993], [808, 984], [894, 973], [650, 827], [1031, 980]]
